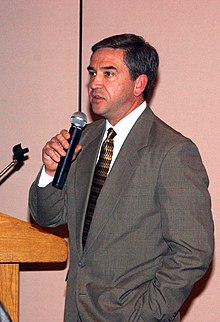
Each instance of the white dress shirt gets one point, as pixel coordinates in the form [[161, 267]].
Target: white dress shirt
[[122, 129]]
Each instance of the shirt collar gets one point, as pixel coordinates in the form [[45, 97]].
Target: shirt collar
[[124, 126]]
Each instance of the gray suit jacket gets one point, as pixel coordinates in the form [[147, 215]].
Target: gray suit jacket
[[151, 236]]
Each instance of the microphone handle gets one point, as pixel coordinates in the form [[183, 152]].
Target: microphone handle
[[65, 162]]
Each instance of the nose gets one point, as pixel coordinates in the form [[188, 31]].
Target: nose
[[96, 82]]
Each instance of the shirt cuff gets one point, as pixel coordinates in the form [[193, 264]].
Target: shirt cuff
[[45, 179]]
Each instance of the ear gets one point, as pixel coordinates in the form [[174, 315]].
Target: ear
[[140, 84]]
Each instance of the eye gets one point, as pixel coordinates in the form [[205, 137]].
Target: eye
[[92, 73], [109, 73]]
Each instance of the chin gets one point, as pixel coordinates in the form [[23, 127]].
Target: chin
[[97, 110]]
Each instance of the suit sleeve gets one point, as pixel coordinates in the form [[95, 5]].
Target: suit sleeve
[[47, 205], [187, 228]]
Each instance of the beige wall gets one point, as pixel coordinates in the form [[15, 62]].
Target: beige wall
[[38, 93]]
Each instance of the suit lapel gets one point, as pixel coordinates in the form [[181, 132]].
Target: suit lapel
[[84, 173], [121, 172]]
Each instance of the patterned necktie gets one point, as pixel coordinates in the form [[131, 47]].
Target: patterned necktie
[[100, 174]]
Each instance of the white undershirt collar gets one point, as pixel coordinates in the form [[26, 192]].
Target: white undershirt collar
[[123, 127]]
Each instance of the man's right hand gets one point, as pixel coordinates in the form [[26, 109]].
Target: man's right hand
[[55, 149]]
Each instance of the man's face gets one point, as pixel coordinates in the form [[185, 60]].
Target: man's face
[[111, 90]]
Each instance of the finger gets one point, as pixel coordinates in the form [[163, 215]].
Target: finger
[[49, 153], [77, 150], [60, 142]]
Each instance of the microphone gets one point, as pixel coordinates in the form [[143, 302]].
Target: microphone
[[78, 122]]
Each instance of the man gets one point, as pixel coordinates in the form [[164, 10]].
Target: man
[[151, 234]]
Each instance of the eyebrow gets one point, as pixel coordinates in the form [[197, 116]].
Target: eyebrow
[[102, 68]]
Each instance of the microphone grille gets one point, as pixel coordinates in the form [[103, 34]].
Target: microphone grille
[[78, 119]]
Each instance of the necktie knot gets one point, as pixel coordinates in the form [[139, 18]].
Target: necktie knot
[[111, 134]]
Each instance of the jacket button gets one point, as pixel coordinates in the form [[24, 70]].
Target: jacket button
[[81, 263]]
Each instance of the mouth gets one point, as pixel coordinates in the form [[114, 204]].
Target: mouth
[[95, 98]]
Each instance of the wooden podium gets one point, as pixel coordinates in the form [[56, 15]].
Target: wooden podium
[[21, 242]]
